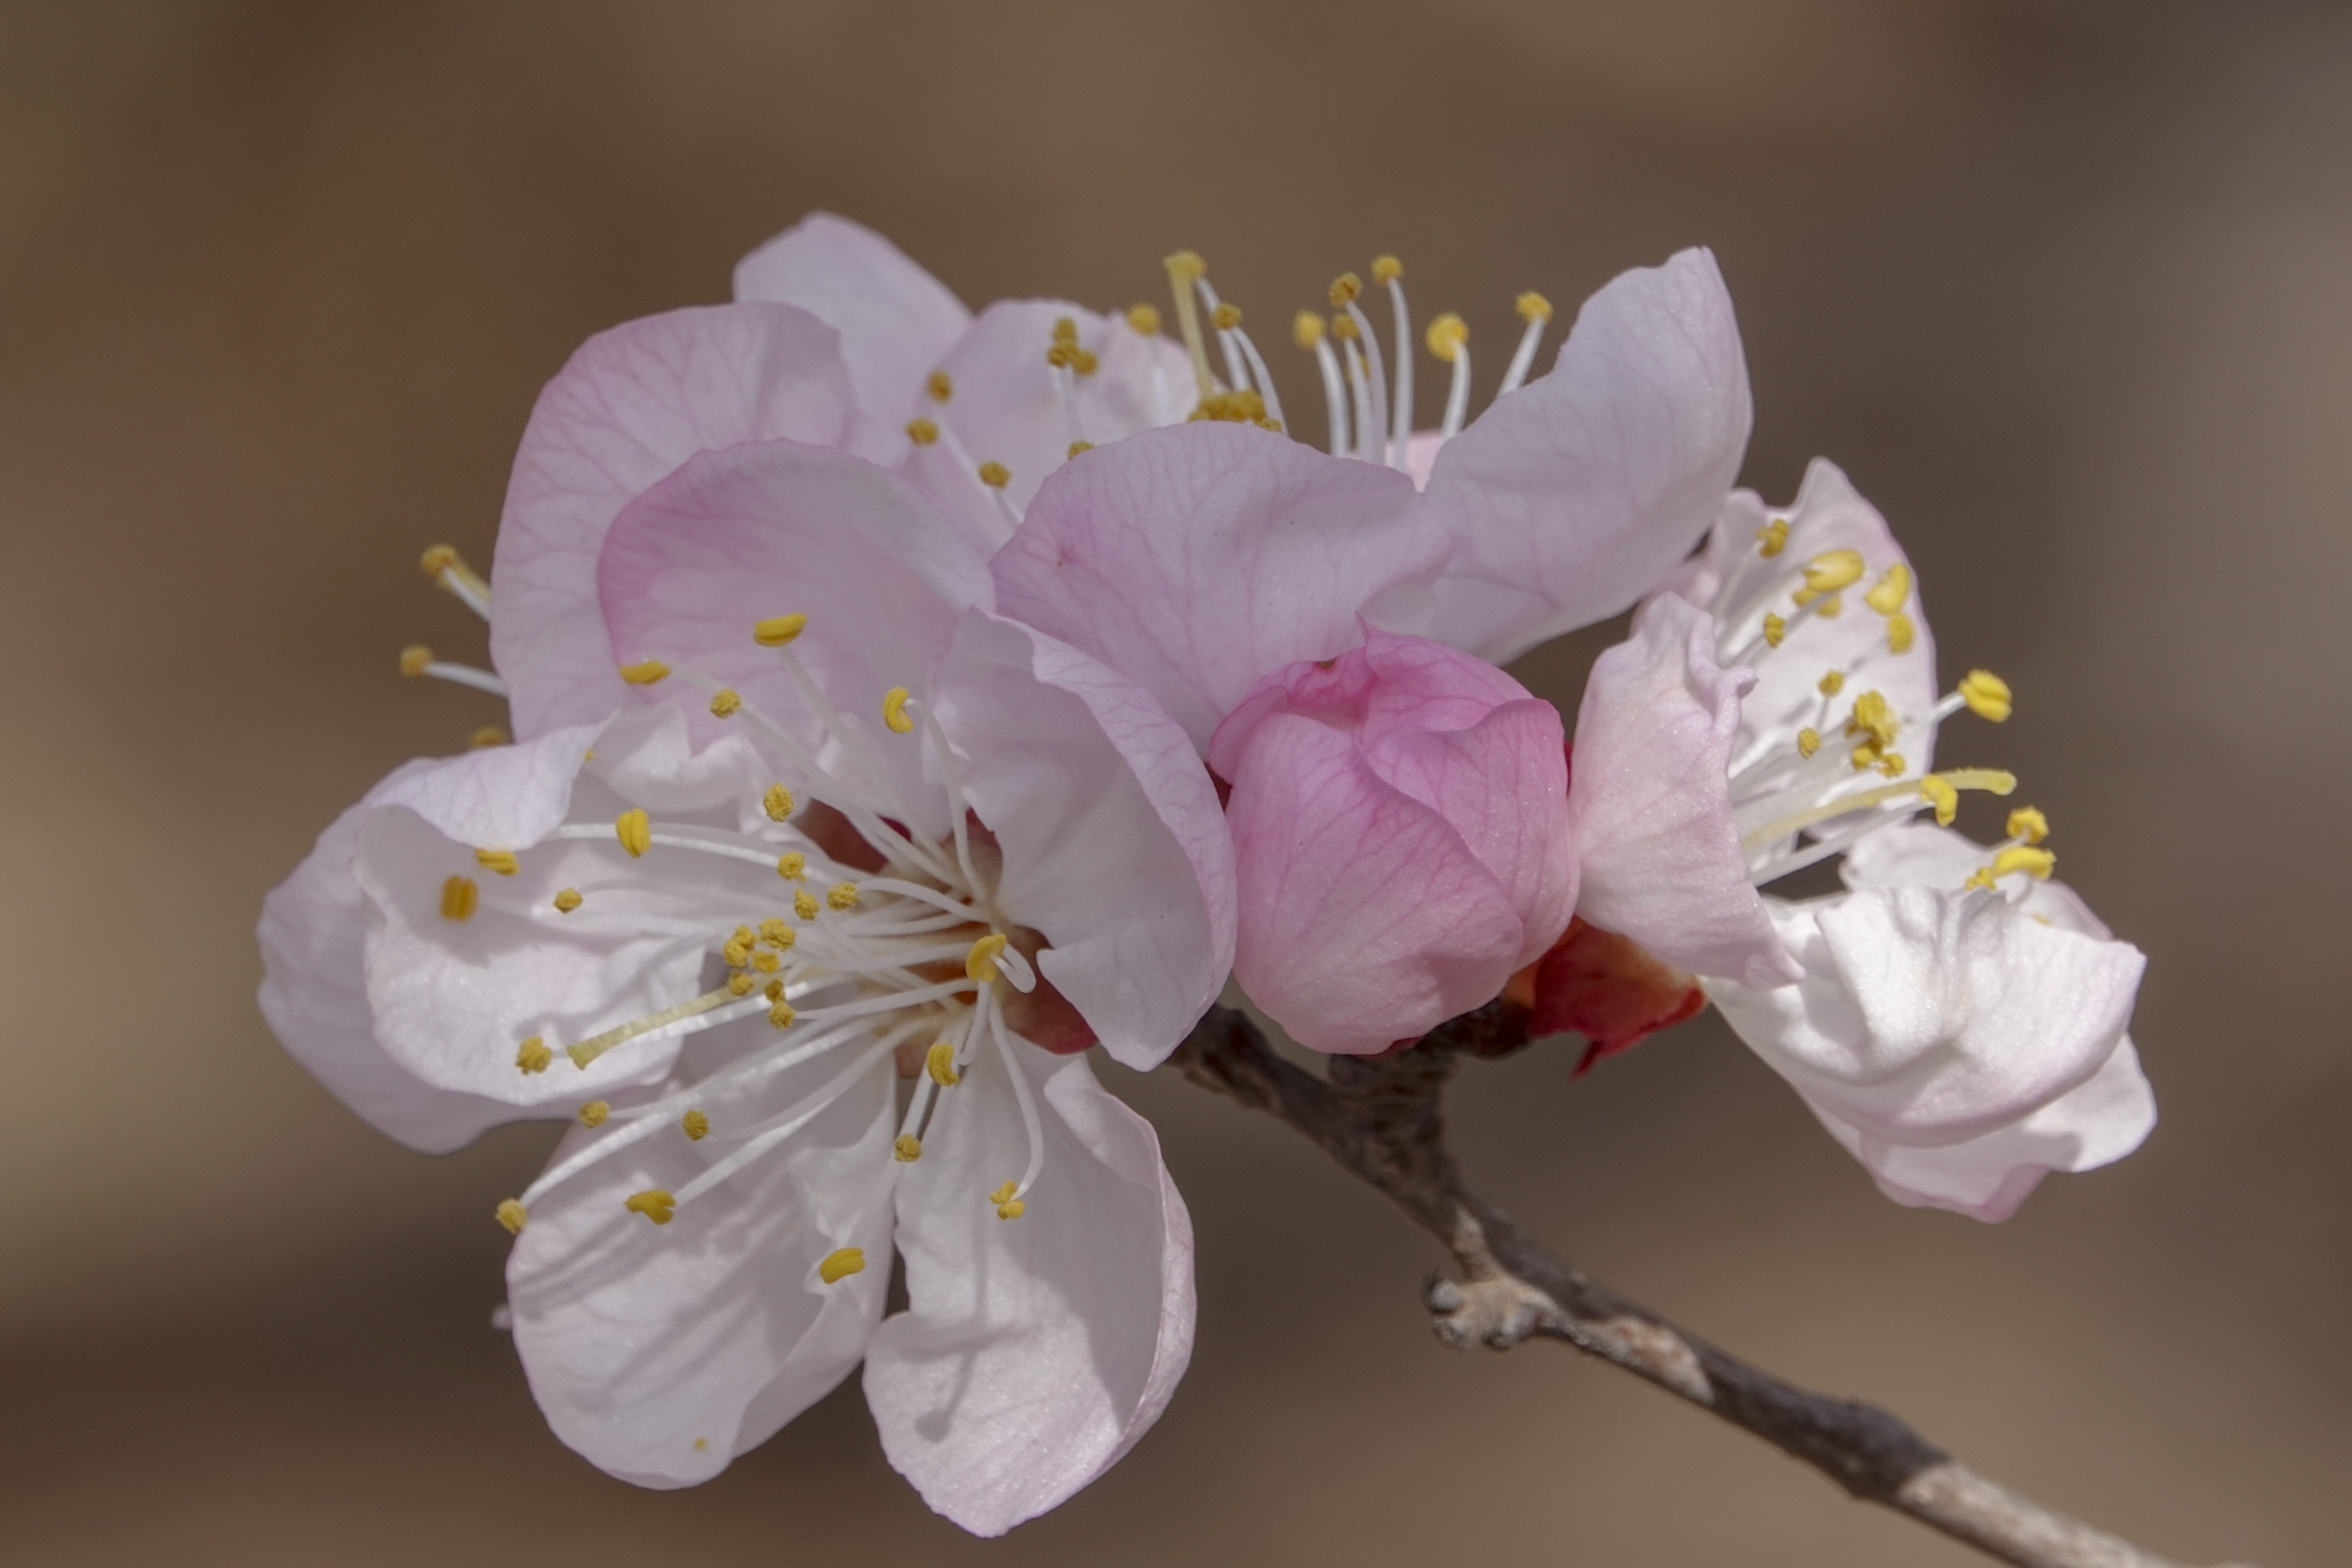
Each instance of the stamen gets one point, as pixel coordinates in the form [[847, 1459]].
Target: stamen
[[725, 702], [1029, 1122], [893, 711], [1185, 268], [1224, 319], [941, 386], [460, 898], [1892, 592], [443, 564], [1535, 311], [595, 1113], [1943, 797], [907, 1148], [595, 1045], [645, 672], [485, 737], [1986, 695], [777, 802], [922, 432], [532, 1055], [840, 1265], [1144, 319], [1359, 388], [695, 1125], [1388, 270], [939, 1063], [980, 963], [1773, 538], [1809, 741], [2028, 823], [840, 896], [1307, 332], [512, 1216], [1007, 1206], [805, 904], [1991, 780], [791, 866], [502, 861], [1449, 340], [1900, 633], [1829, 571], [1775, 628], [1371, 439], [634, 830], [417, 659], [654, 1204], [778, 631]]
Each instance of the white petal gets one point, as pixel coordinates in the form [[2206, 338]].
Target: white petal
[[660, 1353], [314, 931], [1115, 846], [1035, 1351]]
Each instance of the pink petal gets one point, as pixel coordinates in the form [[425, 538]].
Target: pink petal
[[314, 934], [661, 1352], [897, 322], [1575, 495], [1649, 802], [1035, 1352], [633, 404], [776, 528], [1115, 846], [1005, 409], [1365, 918], [1195, 560]]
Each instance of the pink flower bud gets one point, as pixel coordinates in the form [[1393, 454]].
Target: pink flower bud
[[1400, 826]]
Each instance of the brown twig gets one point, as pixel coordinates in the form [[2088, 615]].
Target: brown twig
[[1382, 1119]]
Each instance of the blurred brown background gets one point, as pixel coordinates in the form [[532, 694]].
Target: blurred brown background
[[2067, 286]]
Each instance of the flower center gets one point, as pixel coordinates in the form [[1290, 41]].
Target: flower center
[[873, 940]]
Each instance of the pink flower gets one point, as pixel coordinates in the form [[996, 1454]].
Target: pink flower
[[907, 837], [1399, 839], [838, 339]]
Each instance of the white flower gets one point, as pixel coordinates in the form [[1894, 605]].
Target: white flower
[[1955, 1018], [905, 838]]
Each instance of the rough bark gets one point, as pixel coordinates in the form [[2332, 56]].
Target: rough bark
[[1383, 1120]]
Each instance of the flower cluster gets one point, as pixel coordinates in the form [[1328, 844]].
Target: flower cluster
[[908, 701]]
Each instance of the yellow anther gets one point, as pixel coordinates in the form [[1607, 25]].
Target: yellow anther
[[414, 657], [1892, 765], [1144, 319], [840, 1265], [767, 961], [1892, 590], [1062, 355], [1186, 267], [791, 866], [1773, 537], [1234, 408], [726, 702], [744, 937], [1900, 633], [1775, 628], [922, 432], [635, 829], [778, 631], [1344, 289], [980, 963], [740, 983], [1084, 363], [444, 567], [653, 1203], [459, 898], [1066, 330], [695, 1125], [1809, 741], [941, 386], [1939, 793], [782, 1014], [1986, 695], [1830, 606], [514, 1216], [1077, 446], [1446, 335], [532, 1055], [940, 1062], [1979, 878], [1832, 683], [1306, 329], [1387, 269], [567, 900], [776, 934], [645, 672], [2032, 862], [840, 896], [702, 1445], [1835, 569], [1007, 1206], [1226, 316], [439, 559], [894, 711], [995, 475], [594, 1113], [805, 904], [1866, 755], [2028, 823], [488, 735], [777, 802], [1343, 328], [1534, 307], [773, 991], [502, 861], [907, 1149], [1873, 716]]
